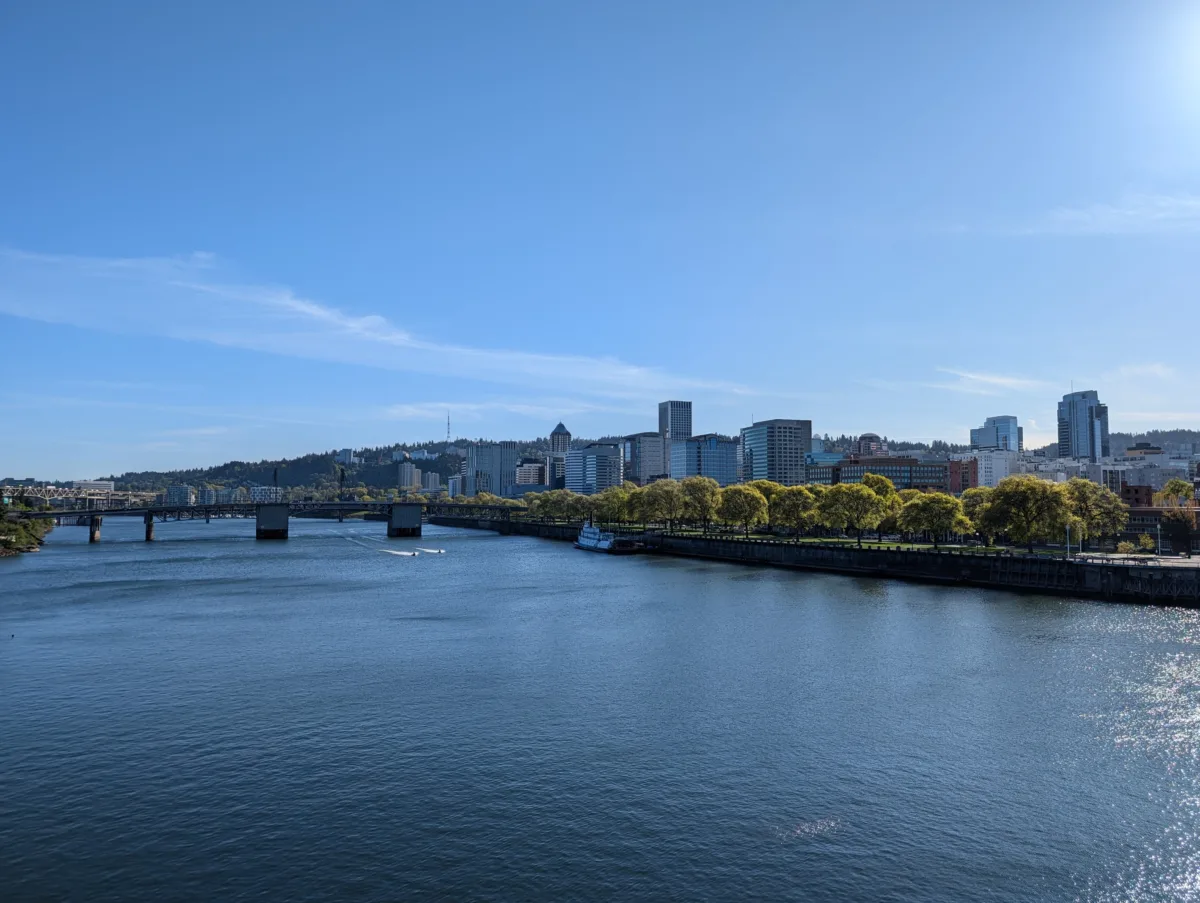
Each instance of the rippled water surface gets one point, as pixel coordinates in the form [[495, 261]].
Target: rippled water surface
[[209, 717]]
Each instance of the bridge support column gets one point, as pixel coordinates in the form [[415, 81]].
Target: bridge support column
[[94, 527], [271, 521], [148, 520], [404, 520]]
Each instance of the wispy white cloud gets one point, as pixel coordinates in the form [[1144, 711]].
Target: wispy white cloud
[[1136, 214], [186, 298], [198, 431], [973, 383], [1135, 371]]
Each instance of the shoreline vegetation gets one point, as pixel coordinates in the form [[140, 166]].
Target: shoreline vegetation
[[1021, 511], [20, 534]]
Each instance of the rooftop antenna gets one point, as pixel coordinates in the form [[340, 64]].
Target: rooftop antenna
[[447, 427]]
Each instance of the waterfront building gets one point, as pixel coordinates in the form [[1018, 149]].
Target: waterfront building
[[226, 496], [180, 494], [491, 467], [560, 441], [594, 468], [454, 486], [993, 464], [1083, 426], [775, 450], [708, 455], [869, 445], [999, 432], [905, 473], [645, 458], [431, 482], [265, 494], [531, 473], [206, 496], [675, 420]]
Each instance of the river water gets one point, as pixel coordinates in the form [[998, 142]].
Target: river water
[[212, 718]]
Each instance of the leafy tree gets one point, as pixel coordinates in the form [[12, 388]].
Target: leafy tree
[[1145, 542], [609, 504], [768, 488], [880, 485], [851, 506], [935, 513], [1125, 547], [742, 504], [1096, 510], [793, 506], [907, 495], [1178, 523], [664, 501], [1028, 508], [1177, 491], [701, 496], [976, 503]]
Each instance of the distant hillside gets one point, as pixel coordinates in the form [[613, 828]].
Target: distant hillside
[[1184, 441]]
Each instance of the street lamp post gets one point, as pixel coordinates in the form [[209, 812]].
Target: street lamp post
[[1158, 526]]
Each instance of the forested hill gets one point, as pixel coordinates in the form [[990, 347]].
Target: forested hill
[[1169, 440]]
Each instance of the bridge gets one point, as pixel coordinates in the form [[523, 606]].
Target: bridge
[[271, 518]]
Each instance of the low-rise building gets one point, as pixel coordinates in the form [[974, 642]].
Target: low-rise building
[[262, 495], [905, 473], [206, 496], [101, 485]]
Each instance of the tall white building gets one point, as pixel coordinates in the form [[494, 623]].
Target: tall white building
[[675, 420], [102, 485], [775, 449], [431, 482], [994, 463], [594, 468], [1083, 426], [346, 456], [409, 476]]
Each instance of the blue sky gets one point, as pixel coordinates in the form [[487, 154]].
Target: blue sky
[[245, 230]]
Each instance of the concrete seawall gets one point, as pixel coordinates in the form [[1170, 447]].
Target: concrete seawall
[[1159, 585]]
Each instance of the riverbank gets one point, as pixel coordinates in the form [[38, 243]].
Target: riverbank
[[18, 536], [1139, 582]]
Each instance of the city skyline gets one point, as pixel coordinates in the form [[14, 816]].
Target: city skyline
[[879, 224]]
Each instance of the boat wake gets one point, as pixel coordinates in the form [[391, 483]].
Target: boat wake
[[432, 551], [405, 554]]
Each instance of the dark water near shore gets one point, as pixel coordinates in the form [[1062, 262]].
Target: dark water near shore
[[207, 717]]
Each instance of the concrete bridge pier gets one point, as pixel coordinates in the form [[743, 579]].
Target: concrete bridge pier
[[94, 527], [148, 520], [404, 520], [271, 522]]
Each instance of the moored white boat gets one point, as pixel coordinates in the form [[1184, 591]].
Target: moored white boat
[[592, 539]]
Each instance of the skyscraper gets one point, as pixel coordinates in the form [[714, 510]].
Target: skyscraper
[[1083, 426], [709, 455], [675, 420], [560, 441], [999, 432], [491, 467], [645, 457], [775, 449], [594, 468]]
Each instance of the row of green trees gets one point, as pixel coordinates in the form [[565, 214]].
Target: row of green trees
[[1025, 509], [21, 534]]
